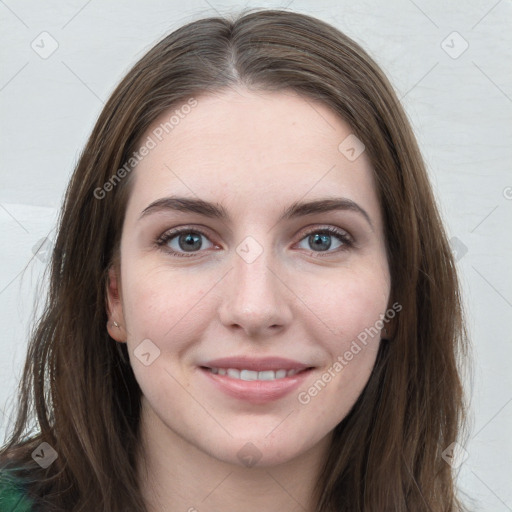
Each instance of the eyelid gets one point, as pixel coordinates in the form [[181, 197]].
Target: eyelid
[[329, 228]]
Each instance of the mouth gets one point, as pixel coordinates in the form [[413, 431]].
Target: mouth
[[256, 381], [251, 375]]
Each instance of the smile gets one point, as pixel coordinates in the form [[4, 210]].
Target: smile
[[249, 375], [258, 386]]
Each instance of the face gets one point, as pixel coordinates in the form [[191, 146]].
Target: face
[[239, 304]]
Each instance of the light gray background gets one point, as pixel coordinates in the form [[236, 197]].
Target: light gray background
[[461, 110]]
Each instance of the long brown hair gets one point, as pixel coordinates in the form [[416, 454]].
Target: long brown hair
[[387, 453]]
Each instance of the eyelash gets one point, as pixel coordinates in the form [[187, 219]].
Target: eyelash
[[169, 235]]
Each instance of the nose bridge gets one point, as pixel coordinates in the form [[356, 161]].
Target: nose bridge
[[255, 298]]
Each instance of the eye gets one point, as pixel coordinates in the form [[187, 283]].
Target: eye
[[321, 240], [179, 242]]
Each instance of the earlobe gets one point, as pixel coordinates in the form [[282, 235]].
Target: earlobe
[[115, 323]]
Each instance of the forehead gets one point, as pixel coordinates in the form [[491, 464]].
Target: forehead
[[250, 148]]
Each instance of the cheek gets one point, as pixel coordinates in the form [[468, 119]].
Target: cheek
[[352, 313], [161, 304], [351, 305], [169, 309], [349, 301]]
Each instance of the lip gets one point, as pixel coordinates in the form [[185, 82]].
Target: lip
[[256, 364], [256, 391]]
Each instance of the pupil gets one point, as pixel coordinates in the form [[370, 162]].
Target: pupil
[[190, 241], [317, 239]]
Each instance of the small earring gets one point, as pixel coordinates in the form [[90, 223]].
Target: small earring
[[116, 324]]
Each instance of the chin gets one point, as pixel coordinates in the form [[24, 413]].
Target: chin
[[260, 451]]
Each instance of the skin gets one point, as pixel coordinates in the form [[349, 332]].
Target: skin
[[254, 153]]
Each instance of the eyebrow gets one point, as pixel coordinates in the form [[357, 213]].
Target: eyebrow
[[217, 211]]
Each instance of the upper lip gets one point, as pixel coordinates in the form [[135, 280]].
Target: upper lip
[[256, 364]]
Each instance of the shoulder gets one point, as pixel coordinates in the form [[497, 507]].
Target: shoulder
[[13, 497]]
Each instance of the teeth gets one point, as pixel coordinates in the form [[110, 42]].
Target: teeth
[[248, 375], [268, 375], [254, 375]]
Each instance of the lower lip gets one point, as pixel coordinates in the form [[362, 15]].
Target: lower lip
[[256, 391]]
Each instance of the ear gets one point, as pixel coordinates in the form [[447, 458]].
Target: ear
[[115, 306]]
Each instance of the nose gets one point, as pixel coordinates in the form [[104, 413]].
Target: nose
[[256, 299]]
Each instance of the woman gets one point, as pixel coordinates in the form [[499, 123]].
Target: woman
[[253, 302]]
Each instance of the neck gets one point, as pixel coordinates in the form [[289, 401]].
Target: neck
[[177, 476]]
